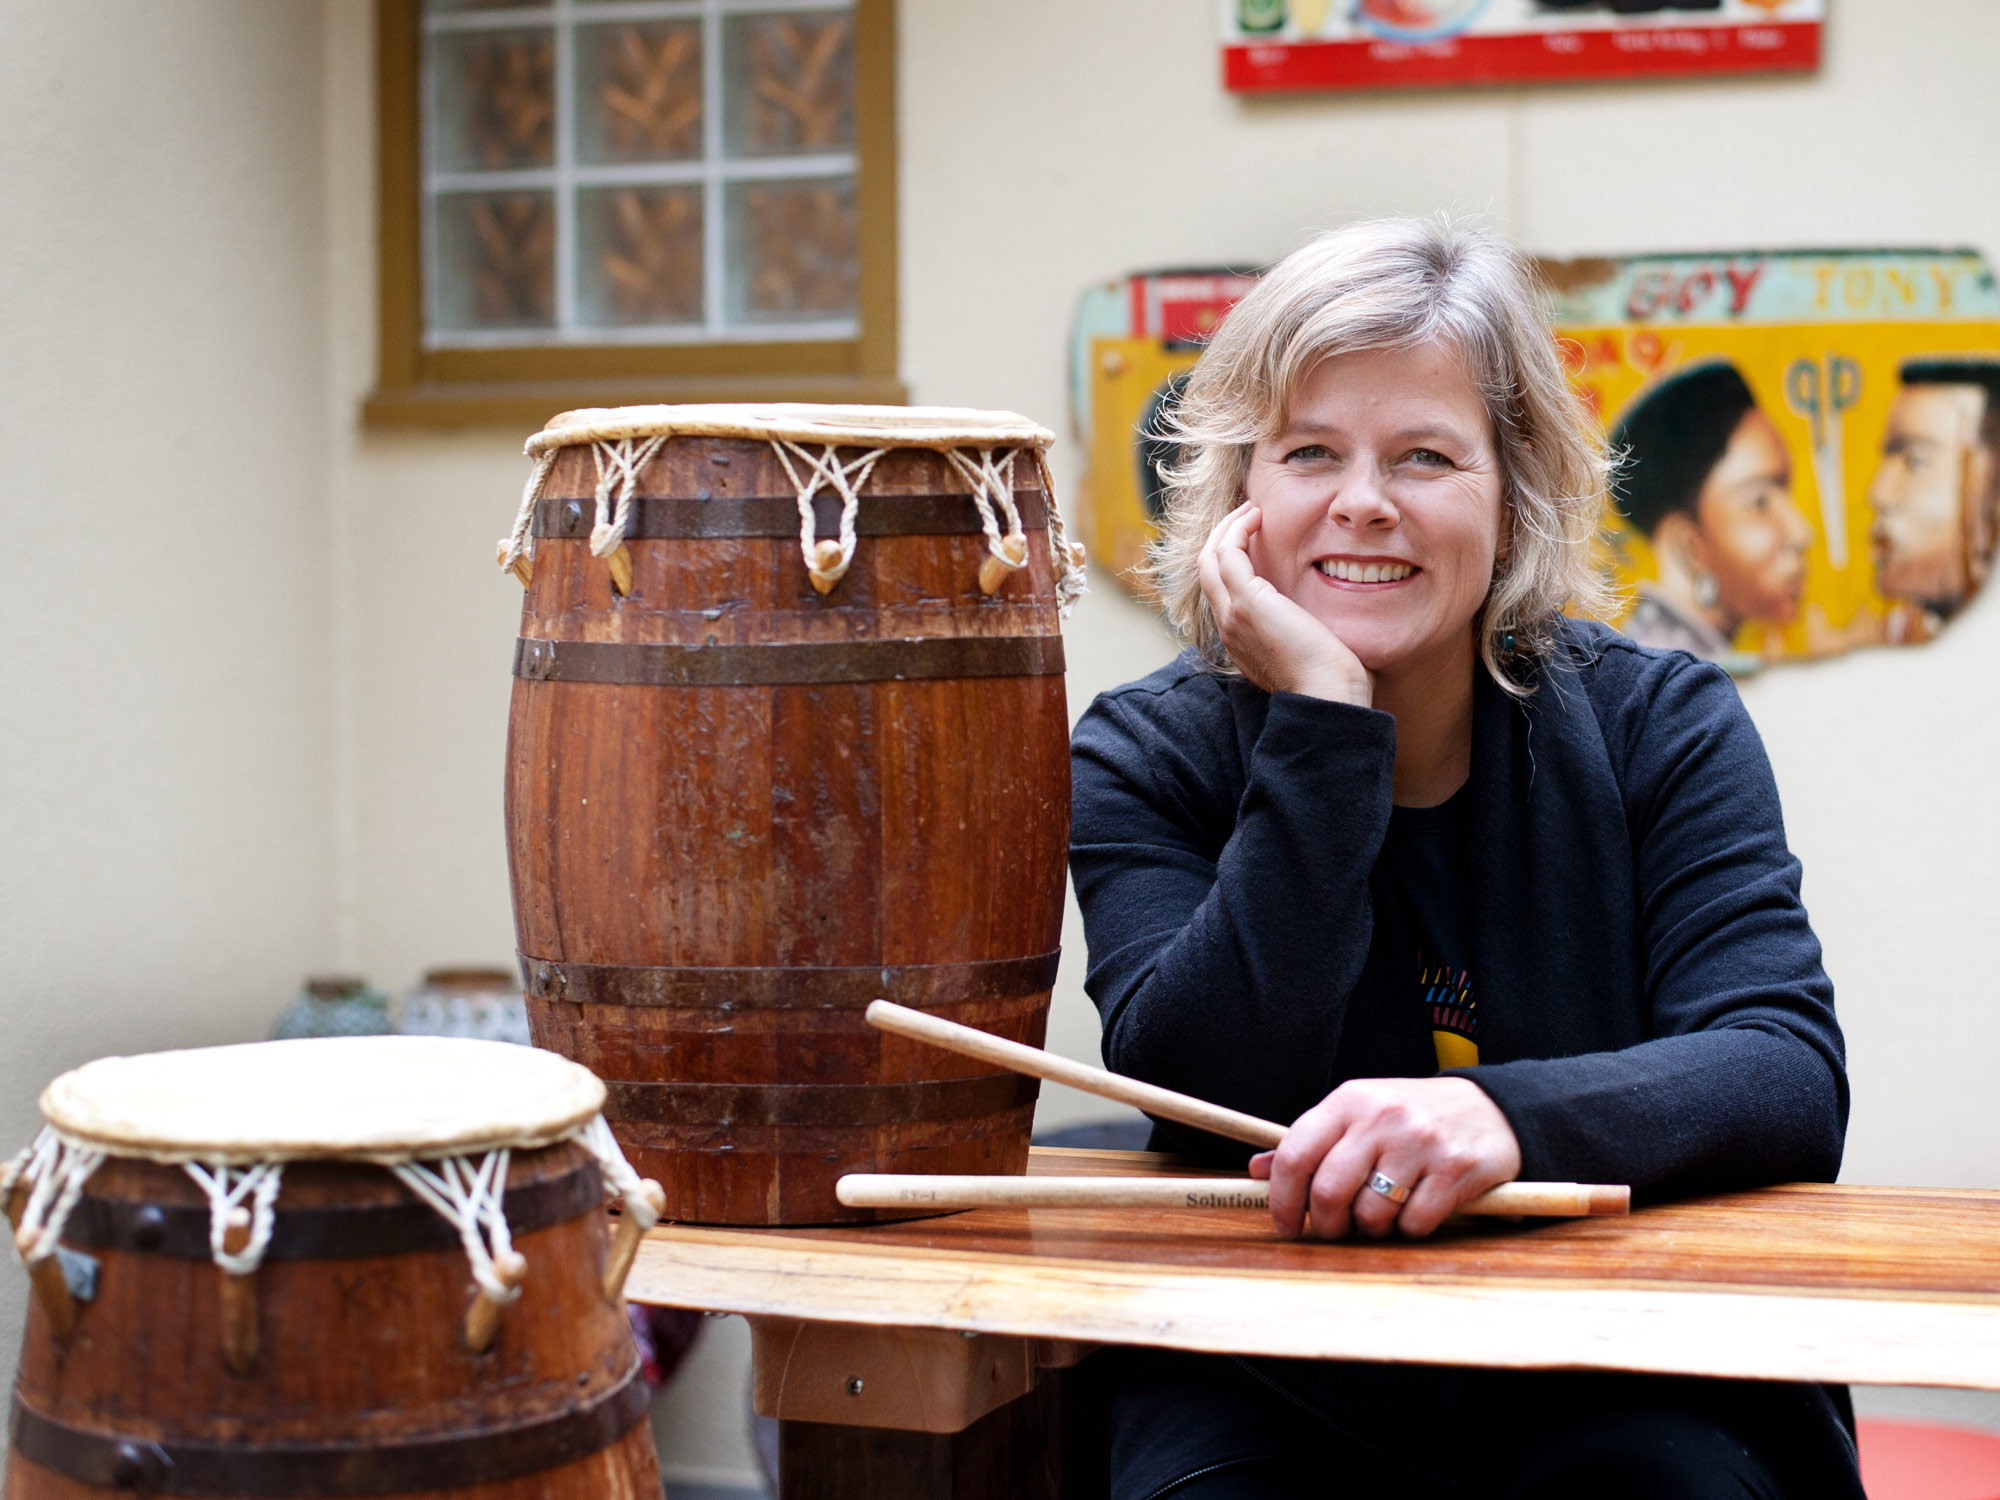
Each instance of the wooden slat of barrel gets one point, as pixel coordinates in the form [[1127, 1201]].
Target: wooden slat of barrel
[[361, 1385], [712, 878]]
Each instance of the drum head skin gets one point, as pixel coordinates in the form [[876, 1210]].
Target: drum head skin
[[937, 427], [348, 1098]]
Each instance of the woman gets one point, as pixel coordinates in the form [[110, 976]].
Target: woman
[[1707, 481], [1464, 889]]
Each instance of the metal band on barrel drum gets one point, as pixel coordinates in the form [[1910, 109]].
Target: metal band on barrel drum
[[330, 1471], [779, 663], [847, 1106], [820, 988]]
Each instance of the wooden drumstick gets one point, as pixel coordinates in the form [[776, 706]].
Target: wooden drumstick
[[239, 1301], [1530, 1200], [1152, 1099], [642, 1211], [923, 1027]]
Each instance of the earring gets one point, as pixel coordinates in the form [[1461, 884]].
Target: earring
[[1707, 592], [1507, 643]]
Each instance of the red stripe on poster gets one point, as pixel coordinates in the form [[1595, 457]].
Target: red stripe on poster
[[1523, 57]]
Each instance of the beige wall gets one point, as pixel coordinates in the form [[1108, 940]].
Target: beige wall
[[256, 722], [166, 809]]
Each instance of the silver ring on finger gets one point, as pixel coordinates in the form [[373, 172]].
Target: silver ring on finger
[[1388, 1187]]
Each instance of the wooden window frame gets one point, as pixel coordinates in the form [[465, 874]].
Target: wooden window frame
[[523, 387]]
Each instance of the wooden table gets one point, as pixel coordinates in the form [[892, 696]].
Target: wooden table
[[913, 1358]]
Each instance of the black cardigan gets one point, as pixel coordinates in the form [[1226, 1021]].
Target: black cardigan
[[1652, 1008]]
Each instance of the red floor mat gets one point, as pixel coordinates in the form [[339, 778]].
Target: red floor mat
[[1926, 1461]]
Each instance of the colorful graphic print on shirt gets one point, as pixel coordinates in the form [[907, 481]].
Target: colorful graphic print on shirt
[[1447, 995]]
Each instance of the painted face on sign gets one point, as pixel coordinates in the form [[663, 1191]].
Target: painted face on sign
[[1932, 469], [1753, 536]]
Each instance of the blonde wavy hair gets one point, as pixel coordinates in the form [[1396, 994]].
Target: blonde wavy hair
[[1393, 284]]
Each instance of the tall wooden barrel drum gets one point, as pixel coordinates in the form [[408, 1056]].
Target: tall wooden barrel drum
[[789, 735], [239, 1299]]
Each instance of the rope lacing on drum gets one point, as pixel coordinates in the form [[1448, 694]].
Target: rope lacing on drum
[[1070, 582], [992, 480], [17, 1168], [618, 465], [227, 1187], [844, 480], [621, 1181], [517, 550], [469, 1198], [56, 1170]]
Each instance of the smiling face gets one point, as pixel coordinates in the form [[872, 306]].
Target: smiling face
[[1383, 504]]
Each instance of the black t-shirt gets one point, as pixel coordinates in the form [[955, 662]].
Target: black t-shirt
[[1423, 869]]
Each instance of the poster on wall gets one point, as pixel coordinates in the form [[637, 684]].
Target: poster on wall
[[1810, 440], [1133, 341], [1290, 45]]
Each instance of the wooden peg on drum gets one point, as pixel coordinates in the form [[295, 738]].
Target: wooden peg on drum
[[826, 569], [995, 570], [51, 1287], [239, 1300], [482, 1319], [639, 1213], [523, 567], [45, 1274], [620, 563], [617, 558]]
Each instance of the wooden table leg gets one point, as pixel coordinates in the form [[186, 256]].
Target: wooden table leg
[[912, 1379], [868, 1413], [1011, 1453]]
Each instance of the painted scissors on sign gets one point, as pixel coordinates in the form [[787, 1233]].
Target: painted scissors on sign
[[1820, 390]]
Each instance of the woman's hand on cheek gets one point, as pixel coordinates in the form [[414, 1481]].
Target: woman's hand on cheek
[[1442, 1138], [1273, 641]]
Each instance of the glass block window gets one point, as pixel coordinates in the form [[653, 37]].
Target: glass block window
[[638, 171]]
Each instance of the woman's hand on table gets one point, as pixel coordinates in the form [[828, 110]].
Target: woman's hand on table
[[1273, 641], [1442, 1138]]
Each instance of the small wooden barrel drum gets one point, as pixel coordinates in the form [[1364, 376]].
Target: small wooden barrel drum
[[249, 1299], [788, 736]]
